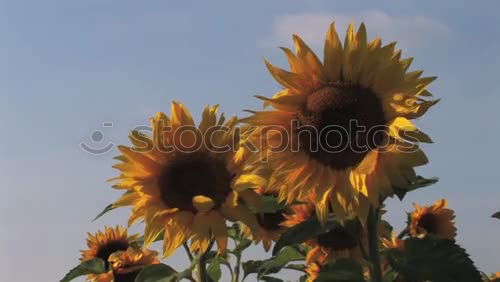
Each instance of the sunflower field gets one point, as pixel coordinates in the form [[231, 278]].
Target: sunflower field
[[306, 177]]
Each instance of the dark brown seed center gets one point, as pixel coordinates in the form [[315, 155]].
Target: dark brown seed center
[[271, 221], [429, 222], [337, 239], [113, 246], [341, 124], [190, 174]]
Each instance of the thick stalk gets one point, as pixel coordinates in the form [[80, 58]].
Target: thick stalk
[[373, 244]]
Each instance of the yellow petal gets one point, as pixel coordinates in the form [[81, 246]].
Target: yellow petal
[[248, 181], [332, 54], [285, 78], [180, 115]]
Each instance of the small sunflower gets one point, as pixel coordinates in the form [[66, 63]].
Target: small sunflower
[[436, 220], [342, 128], [185, 179], [495, 277], [126, 265], [103, 244], [270, 224]]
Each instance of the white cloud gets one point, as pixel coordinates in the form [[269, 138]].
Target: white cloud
[[411, 32]]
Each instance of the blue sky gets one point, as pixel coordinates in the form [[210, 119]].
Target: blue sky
[[68, 66]]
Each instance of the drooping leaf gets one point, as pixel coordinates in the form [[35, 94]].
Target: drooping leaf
[[276, 263], [420, 182], [156, 273], [94, 266], [433, 259], [496, 215], [213, 269], [342, 270], [251, 266]]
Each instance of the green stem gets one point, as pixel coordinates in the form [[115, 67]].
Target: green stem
[[201, 269], [237, 267], [188, 252], [201, 264], [373, 244]]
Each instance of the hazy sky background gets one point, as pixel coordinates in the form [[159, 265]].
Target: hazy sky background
[[68, 66]]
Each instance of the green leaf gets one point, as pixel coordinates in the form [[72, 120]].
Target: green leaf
[[107, 209], [496, 215], [433, 259], [311, 228], [156, 273], [299, 233], [242, 245], [94, 266], [213, 270], [342, 270], [420, 182], [269, 204], [251, 266], [234, 231], [276, 263], [270, 279]]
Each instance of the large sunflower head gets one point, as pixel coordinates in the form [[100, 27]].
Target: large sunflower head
[[102, 244], [436, 220], [184, 179], [126, 265], [271, 224], [342, 127]]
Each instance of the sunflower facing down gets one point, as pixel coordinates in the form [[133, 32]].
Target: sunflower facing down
[[181, 179], [436, 220], [342, 127], [270, 224], [341, 241], [126, 265], [103, 244]]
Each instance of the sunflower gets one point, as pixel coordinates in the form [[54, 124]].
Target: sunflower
[[102, 244], [340, 241], [436, 220], [495, 277], [184, 180], [126, 265], [342, 128], [270, 223], [337, 243]]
